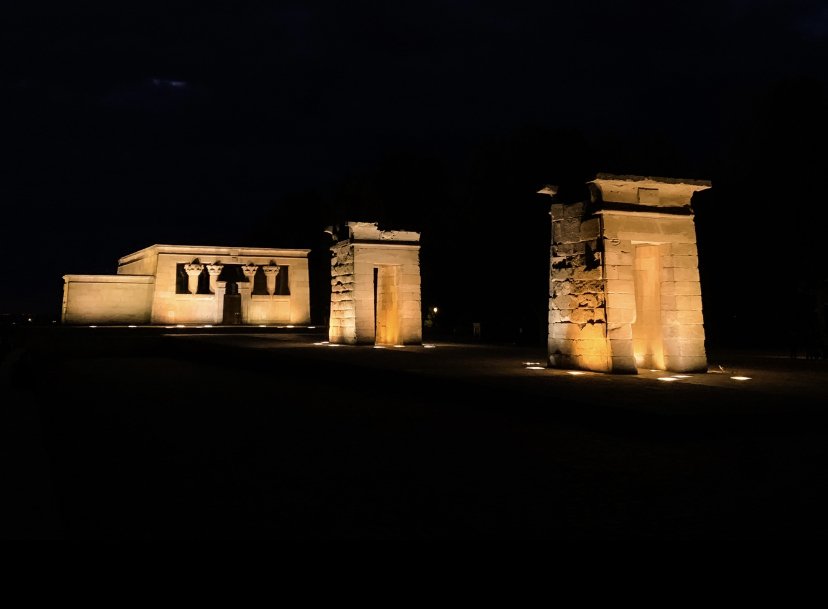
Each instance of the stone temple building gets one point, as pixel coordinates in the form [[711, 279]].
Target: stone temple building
[[624, 281], [194, 284], [375, 286]]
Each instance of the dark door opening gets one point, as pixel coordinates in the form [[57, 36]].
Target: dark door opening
[[232, 305]]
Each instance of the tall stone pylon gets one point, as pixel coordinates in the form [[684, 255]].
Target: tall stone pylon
[[624, 289]]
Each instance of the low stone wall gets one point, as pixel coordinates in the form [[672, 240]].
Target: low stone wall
[[269, 310], [107, 299]]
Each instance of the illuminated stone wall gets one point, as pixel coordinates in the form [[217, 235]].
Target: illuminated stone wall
[[106, 298], [624, 280], [172, 308], [375, 286]]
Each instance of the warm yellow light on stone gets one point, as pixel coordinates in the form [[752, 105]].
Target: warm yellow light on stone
[[741, 378], [375, 286], [624, 288], [160, 285]]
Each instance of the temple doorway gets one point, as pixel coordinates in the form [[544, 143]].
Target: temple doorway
[[386, 305], [648, 343], [232, 305]]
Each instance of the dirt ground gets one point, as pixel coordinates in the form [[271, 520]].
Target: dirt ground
[[147, 433]]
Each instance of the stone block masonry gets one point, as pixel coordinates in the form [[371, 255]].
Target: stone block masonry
[[624, 289], [375, 286]]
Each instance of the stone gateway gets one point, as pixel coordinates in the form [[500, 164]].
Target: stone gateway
[[624, 289], [375, 286]]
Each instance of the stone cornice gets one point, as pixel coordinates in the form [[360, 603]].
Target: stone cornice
[[209, 251]]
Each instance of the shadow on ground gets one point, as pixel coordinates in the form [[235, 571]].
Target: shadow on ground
[[144, 434]]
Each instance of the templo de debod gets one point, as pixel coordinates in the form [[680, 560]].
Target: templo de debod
[[624, 287], [375, 286], [194, 284]]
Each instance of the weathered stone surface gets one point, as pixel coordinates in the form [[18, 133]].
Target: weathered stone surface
[[590, 229], [624, 364], [684, 249], [557, 212], [574, 210], [394, 257], [598, 281], [618, 258], [621, 301], [687, 262], [620, 286], [688, 317], [621, 347], [686, 274], [688, 303], [618, 316], [684, 331], [684, 363], [619, 331]]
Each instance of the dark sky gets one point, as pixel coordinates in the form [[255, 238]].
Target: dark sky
[[217, 124]]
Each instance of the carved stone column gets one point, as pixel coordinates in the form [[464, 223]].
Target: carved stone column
[[271, 272], [249, 271], [215, 271], [193, 272], [220, 290]]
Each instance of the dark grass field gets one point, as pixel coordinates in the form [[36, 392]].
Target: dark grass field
[[147, 433]]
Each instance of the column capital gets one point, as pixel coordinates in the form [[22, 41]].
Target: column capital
[[193, 269], [215, 269], [249, 269], [271, 269]]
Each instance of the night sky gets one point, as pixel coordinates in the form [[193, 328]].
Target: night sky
[[215, 124]]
